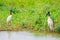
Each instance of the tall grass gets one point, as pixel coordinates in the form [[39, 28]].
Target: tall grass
[[30, 14]]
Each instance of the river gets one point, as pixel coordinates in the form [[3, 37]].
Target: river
[[22, 35]]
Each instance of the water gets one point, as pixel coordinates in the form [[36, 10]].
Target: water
[[4, 35]]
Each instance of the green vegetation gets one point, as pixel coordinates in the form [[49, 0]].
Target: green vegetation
[[29, 14]]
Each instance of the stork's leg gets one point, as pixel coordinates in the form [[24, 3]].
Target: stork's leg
[[51, 29], [48, 28], [8, 24]]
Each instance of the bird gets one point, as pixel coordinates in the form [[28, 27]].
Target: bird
[[9, 18], [50, 21]]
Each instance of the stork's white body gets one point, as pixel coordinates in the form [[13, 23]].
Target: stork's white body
[[50, 23], [9, 18]]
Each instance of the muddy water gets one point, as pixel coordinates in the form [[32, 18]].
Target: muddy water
[[4, 35]]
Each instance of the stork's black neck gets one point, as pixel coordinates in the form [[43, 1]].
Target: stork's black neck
[[48, 14], [10, 12]]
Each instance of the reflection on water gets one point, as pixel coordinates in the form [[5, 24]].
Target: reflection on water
[[4, 35]]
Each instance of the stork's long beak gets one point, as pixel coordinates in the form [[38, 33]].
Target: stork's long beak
[[13, 12]]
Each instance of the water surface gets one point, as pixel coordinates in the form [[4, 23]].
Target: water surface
[[4, 35]]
